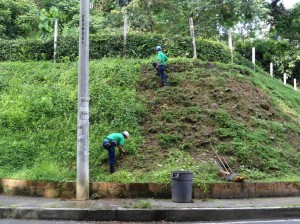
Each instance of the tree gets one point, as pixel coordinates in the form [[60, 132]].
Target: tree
[[66, 11], [46, 20], [254, 15], [215, 17], [277, 12], [17, 18], [286, 23]]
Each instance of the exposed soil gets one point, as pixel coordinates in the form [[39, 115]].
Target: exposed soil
[[179, 116]]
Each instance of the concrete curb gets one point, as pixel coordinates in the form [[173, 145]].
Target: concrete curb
[[145, 215]]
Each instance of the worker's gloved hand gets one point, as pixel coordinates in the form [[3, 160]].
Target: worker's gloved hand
[[123, 152]]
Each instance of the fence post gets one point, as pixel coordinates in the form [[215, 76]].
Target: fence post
[[192, 31], [230, 44], [295, 84], [253, 57], [125, 31], [55, 38], [284, 78], [271, 69]]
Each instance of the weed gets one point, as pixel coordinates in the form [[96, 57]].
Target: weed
[[169, 140], [146, 204], [256, 122]]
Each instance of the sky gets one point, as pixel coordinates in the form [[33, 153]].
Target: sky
[[289, 3]]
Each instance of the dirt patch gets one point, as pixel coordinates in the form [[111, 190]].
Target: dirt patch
[[247, 101], [181, 116]]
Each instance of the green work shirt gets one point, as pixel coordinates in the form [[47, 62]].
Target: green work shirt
[[117, 137], [162, 57]]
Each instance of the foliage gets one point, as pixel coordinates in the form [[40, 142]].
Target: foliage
[[146, 204], [250, 147], [285, 23], [46, 20], [171, 128], [24, 50], [17, 18], [283, 55], [158, 16], [214, 18], [45, 170], [137, 46], [280, 94], [39, 119]]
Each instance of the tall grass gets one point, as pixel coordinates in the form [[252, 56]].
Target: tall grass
[[39, 114]]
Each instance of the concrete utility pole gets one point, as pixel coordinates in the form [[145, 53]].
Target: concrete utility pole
[[55, 38], [82, 187]]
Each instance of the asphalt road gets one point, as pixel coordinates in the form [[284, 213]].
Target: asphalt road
[[14, 221]]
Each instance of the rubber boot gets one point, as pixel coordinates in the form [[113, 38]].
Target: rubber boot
[[166, 82], [112, 168]]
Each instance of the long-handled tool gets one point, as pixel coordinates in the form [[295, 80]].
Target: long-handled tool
[[227, 165], [220, 160], [232, 175]]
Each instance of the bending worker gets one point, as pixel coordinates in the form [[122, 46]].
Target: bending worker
[[110, 142]]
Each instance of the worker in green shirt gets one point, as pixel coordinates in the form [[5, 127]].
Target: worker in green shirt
[[110, 142], [160, 65]]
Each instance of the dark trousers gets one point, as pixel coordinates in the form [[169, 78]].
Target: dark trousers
[[161, 72], [111, 153]]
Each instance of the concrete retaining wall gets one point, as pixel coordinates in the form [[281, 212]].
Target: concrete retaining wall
[[154, 190]]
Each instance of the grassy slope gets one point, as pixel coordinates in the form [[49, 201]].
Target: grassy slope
[[255, 125]]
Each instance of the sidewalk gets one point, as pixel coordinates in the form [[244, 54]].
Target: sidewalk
[[138, 210]]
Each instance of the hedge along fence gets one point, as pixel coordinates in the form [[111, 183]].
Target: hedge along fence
[[282, 53], [137, 46], [22, 50]]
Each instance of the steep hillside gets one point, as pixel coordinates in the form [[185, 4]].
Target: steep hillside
[[249, 118], [244, 116]]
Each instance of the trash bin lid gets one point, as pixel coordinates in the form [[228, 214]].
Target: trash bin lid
[[182, 175]]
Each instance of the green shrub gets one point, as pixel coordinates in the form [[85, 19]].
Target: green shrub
[[282, 54], [168, 140], [137, 46]]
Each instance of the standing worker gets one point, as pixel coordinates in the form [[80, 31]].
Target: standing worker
[[110, 142], [160, 65]]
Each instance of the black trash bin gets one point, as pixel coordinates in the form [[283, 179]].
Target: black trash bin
[[182, 186]]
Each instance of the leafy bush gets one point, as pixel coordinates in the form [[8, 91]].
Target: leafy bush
[[137, 46], [282, 53]]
